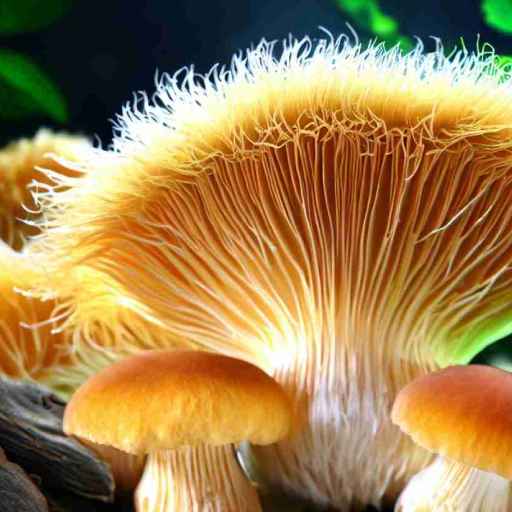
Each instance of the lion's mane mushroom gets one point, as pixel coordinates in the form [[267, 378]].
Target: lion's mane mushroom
[[27, 349], [339, 216], [464, 414], [184, 409], [32, 346], [20, 165]]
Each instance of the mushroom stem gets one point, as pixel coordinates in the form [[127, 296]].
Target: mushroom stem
[[346, 413], [451, 485], [196, 479]]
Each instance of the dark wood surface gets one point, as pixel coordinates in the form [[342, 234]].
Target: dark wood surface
[[32, 437], [17, 491]]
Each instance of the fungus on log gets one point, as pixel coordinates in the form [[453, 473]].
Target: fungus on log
[[339, 216]]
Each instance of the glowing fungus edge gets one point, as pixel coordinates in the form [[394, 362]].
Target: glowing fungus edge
[[338, 215]]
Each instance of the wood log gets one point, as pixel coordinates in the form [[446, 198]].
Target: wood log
[[31, 435], [17, 491], [60, 501]]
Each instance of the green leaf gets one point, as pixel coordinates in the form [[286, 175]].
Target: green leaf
[[369, 16], [28, 15], [26, 90], [380, 24], [472, 342], [498, 14], [504, 60]]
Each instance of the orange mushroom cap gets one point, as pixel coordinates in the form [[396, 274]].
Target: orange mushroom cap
[[162, 400], [463, 413]]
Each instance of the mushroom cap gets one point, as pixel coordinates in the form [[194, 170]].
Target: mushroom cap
[[463, 413], [161, 400]]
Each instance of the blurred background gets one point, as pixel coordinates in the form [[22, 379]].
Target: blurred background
[[72, 64]]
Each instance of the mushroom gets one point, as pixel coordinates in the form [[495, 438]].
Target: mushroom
[[463, 414], [33, 346], [185, 409], [20, 164], [338, 216], [25, 352]]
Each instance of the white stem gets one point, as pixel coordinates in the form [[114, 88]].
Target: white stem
[[347, 453], [449, 486], [199, 479]]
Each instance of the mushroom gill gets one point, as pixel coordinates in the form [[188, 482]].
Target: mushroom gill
[[339, 216], [27, 349], [32, 345]]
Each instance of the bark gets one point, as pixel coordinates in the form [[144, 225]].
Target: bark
[[31, 435], [17, 491]]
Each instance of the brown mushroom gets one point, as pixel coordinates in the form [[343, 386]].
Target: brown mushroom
[[462, 413], [184, 409]]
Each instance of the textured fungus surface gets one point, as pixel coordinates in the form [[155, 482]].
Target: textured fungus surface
[[339, 216], [463, 414], [32, 346], [27, 349], [21, 164]]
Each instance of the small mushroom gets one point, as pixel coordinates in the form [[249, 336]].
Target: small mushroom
[[184, 409], [462, 413]]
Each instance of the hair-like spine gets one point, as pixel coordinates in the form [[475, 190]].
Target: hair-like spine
[[20, 165], [338, 215]]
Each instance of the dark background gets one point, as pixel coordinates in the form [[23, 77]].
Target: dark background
[[100, 52]]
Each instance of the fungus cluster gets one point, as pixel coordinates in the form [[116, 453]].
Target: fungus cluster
[[339, 217]]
